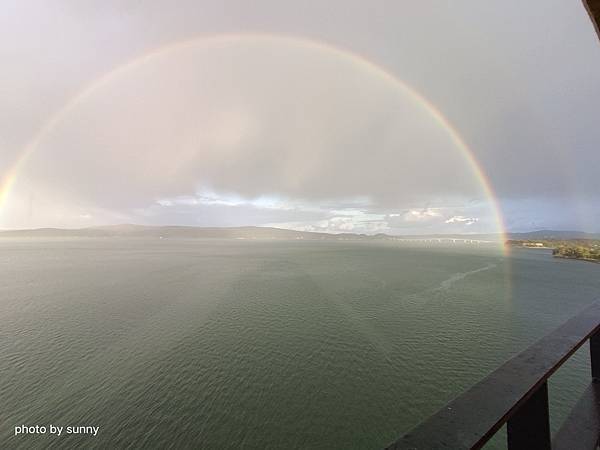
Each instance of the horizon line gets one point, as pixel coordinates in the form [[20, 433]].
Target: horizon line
[[333, 233]]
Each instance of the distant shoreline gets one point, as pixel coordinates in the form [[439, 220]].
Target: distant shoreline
[[578, 249], [245, 232], [597, 261]]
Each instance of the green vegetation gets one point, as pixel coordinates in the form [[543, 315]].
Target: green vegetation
[[589, 251], [585, 249]]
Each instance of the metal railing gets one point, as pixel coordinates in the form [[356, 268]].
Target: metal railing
[[516, 394]]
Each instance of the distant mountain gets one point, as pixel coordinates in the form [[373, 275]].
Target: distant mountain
[[552, 235], [143, 231], [188, 232]]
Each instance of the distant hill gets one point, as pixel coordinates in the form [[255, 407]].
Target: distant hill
[[553, 235], [189, 232], [143, 231]]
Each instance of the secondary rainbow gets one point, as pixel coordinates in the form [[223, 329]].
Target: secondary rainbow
[[10, 178]]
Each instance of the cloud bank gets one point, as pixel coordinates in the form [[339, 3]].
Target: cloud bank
[[266, 125], [518, 79]]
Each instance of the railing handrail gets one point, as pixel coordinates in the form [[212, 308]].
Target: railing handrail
[[471, 419]]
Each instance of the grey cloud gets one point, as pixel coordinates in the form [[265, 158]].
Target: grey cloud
[[251, 117], [517, 79]]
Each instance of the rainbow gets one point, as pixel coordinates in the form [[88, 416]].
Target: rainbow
[[8, 182]]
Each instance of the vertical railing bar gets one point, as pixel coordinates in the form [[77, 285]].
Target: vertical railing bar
[[529, 427], [595, 355]]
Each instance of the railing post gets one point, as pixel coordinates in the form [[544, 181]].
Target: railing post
[[529, 427], [595, 355]]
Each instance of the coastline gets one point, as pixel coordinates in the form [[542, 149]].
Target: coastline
[[597, 261]]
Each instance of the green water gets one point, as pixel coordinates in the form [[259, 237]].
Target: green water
[[260, 344]]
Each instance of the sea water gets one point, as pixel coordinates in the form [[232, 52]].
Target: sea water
[[265, 344]]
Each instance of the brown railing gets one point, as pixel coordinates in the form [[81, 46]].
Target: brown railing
[[516, 394]]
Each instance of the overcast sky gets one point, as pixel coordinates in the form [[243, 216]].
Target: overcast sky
[[265, 118]]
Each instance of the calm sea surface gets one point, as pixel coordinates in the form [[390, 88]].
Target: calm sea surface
[[265, 344]]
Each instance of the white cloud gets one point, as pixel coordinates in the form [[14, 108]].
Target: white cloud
[[420, 215], [209, 198], [340, 221], [463, 219]]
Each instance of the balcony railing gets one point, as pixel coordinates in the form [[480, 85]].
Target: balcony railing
[[516, 394]]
